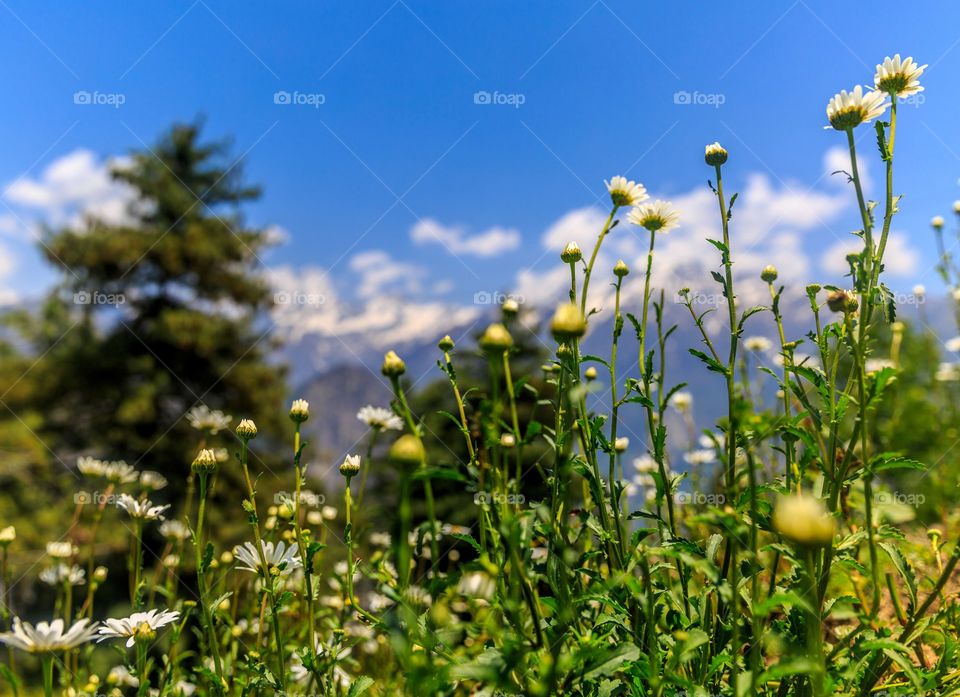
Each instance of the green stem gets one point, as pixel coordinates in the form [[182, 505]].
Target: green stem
[[593, 259], [47, 666], [202, 583], [427, 486]]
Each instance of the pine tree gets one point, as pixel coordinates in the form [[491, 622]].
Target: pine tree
[[157, 315]]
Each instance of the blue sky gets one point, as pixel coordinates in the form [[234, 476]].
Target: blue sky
[[399, 139]]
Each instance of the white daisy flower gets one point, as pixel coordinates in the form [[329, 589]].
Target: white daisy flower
[[120, 472], [174, 530], [947, 372], [212, 421], [182, 688], [682, 401], [644, 480], [152, 480], [92, 467], [700, 457], [624, 192], [48, 636], [380, 419], [121, 677], [658, 216], [758, 344], [848, 110], [281, 560], [61, 550], [139, 625], [710, 441], [476, 584], [899, 78], [141, 508], [380, 539], [644, 464], [63, 573]]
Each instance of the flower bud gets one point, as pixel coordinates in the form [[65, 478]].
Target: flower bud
[[407, 450], [936, 222], [837, 301], [246, 430], [299, 411], [571, 254], [715, 154], [7, 535], [350, 467], [956, 207], [590, 373], [510, 308], [804, 520], [496, 339], [205, 461], [813, 289], [507, 440], [621, 444], [393, 365], [620, 269], [100, 574], [446, 344], [769, 274], [567, 323]]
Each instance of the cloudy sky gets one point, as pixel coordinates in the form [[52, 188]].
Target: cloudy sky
[[419, 157]]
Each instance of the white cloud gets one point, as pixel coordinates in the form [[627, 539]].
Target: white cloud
[[379, 272], [836, 163], [74, 186], [343, 327], [489, 243], [899, 258]]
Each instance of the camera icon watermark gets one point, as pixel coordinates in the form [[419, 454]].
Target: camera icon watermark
[[485, 297], [486, 498], [95, 297], [95, 98], [297, 98], [896, 497], [514, 99], [94, 498], [298, 298], [714, 99], [698, 498]]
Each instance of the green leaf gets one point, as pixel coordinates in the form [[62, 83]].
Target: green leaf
[[710, 362], [613, 661], [360, 685], [903, 568]]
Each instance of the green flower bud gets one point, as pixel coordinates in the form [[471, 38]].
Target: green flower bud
[[393, 365]]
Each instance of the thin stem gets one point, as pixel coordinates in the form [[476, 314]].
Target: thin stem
[[593, 259], [427, 486], [202, 583]]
